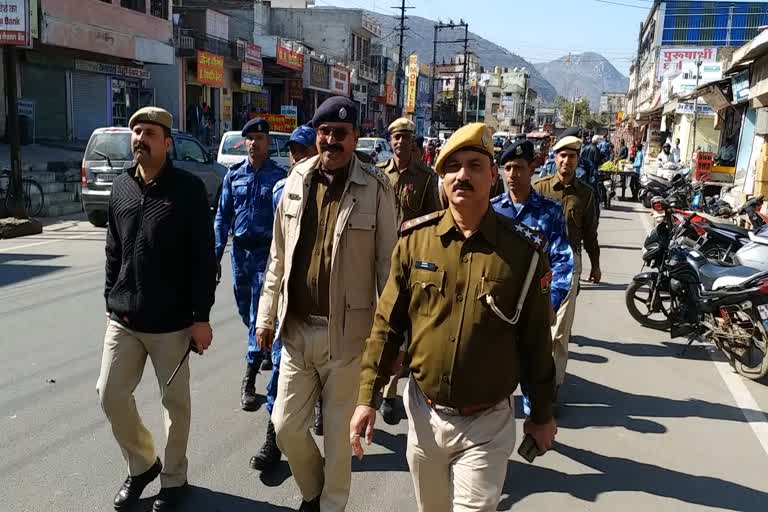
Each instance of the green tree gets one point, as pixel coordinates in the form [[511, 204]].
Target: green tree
[[566, 108]]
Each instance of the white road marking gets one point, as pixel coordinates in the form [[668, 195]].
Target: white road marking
[[46, 242], [756, 419]]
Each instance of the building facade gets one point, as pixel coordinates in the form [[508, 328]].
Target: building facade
[[510, 102]]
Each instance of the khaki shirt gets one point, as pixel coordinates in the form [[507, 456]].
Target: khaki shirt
[[462, 354], [309, 293], [415, 189], [578, 202]]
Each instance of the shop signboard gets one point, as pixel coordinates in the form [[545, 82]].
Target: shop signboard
[[111, 69], [360, 97], [226, 110], [318, 75], [210, 69], [391, 93], [290, 59], [289, 110], [253, 53], [280, 123], [339, 81], [251, 78], [672, 59], [413, 77], [740, 86], [15, 26], [687, 108]]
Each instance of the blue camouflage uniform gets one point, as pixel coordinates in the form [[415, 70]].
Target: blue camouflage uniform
[[544, 215], [245, 208], [277, 344]]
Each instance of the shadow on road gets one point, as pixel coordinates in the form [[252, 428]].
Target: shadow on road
[[201, 499], [616, 474], [394, 461], [587, 358], [603, 286], [11, 273], [621, 247], [586, 404], [697, 352]]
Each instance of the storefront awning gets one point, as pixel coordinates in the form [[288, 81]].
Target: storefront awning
[[711, 93], [670, 107], [754, 49]]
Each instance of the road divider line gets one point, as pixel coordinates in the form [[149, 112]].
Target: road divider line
[[45, 242], [745, 401]]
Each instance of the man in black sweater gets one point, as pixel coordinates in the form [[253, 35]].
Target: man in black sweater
[[160, 287]]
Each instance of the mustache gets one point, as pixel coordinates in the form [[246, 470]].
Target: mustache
[[141, 145], [331, 147], [463, 185]]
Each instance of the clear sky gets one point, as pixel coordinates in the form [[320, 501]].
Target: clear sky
[[537, 30]]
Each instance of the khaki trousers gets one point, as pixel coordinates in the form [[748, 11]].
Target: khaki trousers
[[305, 375], [122, 366], [457, 463], [561, 331]]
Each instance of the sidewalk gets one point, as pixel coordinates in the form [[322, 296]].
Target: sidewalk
[[42, 157]]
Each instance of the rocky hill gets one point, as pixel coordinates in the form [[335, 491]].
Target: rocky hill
[[419, 40], [583, 75]]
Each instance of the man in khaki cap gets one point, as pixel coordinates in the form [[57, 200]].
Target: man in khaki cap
[[159, 288], [472, 287], [415, 187]]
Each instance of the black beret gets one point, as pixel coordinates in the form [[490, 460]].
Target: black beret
[[574, 131], [337, 109], [257, 125], [522, 149]]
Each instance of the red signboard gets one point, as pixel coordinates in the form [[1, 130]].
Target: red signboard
[[210, 69], [279, 122], [290, 59], [339, 81]]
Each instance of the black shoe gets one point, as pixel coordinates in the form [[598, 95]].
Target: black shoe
[[310, 506], [388, 412], [248, 399], [131, 490], [318, 427], [266, 364], [270, 454], [170, 498]]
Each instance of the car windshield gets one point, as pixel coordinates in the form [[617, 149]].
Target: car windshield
[[498, 141], [278, 145], [366, 143], [115, 146], [234, 144]]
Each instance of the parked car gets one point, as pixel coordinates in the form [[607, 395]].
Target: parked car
[[378, 149], [232, 149], [109, 153]]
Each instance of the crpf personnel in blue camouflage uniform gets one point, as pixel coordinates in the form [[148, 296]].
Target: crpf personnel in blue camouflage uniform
[[301, 145], [245, 209], [541, 214]]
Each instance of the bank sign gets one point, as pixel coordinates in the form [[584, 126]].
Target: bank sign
[[15, 23]]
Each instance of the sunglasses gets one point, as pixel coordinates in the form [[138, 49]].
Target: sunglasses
[[338, 133]]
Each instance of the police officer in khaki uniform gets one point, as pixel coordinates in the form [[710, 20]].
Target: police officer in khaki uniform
[[334, 231], [415, 187], [472, 287], [578, 203]]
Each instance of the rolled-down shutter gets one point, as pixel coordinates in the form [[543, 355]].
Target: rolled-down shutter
[[89, 103]]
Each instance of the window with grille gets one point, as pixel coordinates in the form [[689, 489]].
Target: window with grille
[[134, 5], [159, 8]]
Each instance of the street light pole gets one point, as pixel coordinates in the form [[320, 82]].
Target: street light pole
[[696, 104]]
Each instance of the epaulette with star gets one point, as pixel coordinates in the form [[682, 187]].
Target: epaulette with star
[[533, 237], [412, 224], [376, 173]]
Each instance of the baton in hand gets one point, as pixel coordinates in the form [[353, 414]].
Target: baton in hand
[[192, 348]]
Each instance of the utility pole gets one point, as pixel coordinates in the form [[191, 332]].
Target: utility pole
[[438, 27], [696, 103], [464, 90], [399, 77], [573, 111], [15, 202]]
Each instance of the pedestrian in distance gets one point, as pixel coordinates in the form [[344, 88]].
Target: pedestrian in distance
[[301, 145], [245, 211], [334, 232], [637, 168], [159, 288], [461, 280], [416, 194], [543, 215], [578, 203]]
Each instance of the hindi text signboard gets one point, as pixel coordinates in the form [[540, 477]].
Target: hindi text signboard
[[671, 59], [290, 59], [210, 69], [15, 23]]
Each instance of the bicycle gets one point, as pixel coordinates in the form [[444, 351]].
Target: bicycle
[[34, 197]]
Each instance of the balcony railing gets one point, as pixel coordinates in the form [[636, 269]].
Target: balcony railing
[[366, 72], [188, 40]]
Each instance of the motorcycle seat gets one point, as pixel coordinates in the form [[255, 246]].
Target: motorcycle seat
[[714, 277], [732, 228]]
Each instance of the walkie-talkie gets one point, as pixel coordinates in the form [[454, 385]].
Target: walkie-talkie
[[529, 450]]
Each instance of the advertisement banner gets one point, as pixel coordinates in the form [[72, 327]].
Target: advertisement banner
[[413, 77], [318, 75], [251, 78], [279, 122], [391, 92], [210, 69], [253, 53], [15, 23], [671, 59], [740, 86], [339, 81], [289, 110], [290, 59], [111, 69]]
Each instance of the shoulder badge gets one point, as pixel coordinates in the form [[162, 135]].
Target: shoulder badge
[[376, 173], [536, 239], [409, 225]]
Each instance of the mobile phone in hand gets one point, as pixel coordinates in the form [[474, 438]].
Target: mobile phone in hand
[[528, 449]]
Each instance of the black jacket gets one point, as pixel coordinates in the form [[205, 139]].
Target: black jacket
[[161, 265]]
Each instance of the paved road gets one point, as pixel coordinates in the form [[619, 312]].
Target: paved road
[[640, 428]]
